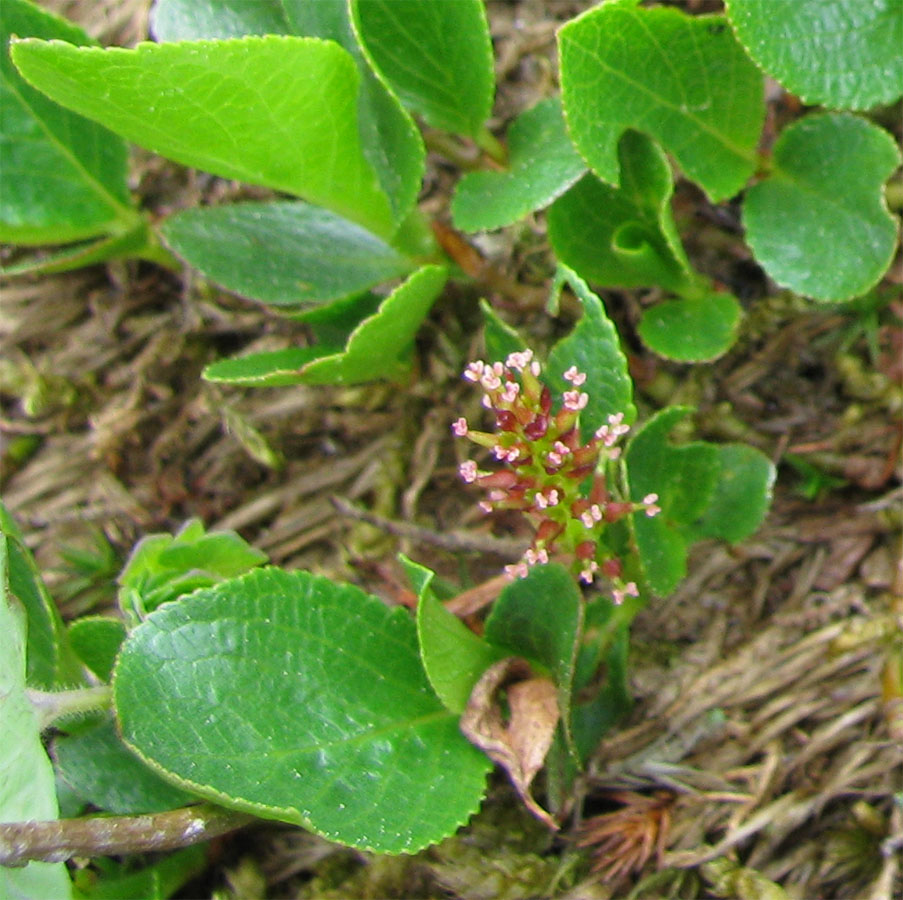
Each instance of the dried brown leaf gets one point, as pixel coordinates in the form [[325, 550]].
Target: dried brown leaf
[[520, 744]]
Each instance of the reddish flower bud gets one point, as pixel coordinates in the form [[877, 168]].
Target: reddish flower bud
[[578, 473], [545, 400], [537, 428], [579, 507], [547, 532], [505, 420], [585, 550], [614, 511], [599, 492], [612, 568], [504, 479]]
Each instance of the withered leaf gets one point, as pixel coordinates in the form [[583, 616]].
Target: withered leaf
[[521, 745]]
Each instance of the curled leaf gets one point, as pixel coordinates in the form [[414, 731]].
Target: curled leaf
[[519, 741]]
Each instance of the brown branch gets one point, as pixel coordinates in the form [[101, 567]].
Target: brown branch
[[58, 840]]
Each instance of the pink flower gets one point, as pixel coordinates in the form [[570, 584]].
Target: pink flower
[[587, 574], [575, 376], [512, 389], [649, 501], [629, 590], [468, 471], [460, 427], [474, 370], [519, 360], [575, 400], [518, 570]]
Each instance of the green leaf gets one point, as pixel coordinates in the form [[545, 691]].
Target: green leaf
[[298, 699], [269, 368], [695, 329], [276, 111], [50, 660], [96, 641], [594, 347], [390, 141], [540, 618], [819, 224], [162, 567], [498, 336], [453, 657], [684, 80], [625, 236], [27, 789], [97, 766], [685, 479], [191, 20], [436, 55], [741, 498], [137, 242], [63, 178], [840, 53], [379, 346], [542, 165], [155, 882], [282, 253]]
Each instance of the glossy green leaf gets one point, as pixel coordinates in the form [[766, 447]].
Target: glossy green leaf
[[540, 617], [436, 55], [685, 478], [695, 329], [379, 347], [192, 20], [97, 766], [96, 641], [840, 53], [158, 881], [819, 224], [26, 777], [278, 111], [50, 662], [315, 710], [543, 164], [453, 657], [624, 236], [282, 253], [594, 347], [742, 495], [63, 177], [682, 79]]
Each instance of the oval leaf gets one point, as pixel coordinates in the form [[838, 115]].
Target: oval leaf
[[695, 329], [542, 165], [436, 55], [278, 111], [842, 53], [298, 699], [282, 253], [820, 225], [63, 177], [682, 79]]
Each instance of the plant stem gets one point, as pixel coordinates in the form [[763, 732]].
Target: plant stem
[[52, 705], [59, 840]]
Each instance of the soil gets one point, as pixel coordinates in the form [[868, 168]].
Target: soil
[[765, 750]]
